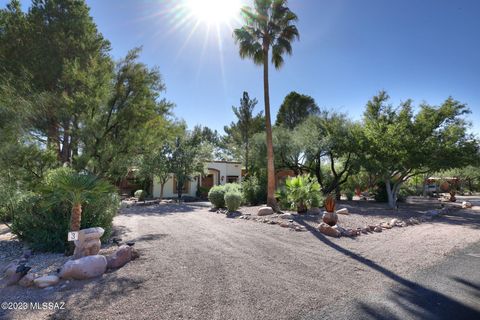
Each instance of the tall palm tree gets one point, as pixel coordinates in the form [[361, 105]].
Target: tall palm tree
[[268, 25]]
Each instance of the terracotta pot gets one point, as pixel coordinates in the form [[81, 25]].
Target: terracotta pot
[[330, 218]]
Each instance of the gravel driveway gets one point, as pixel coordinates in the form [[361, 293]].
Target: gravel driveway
[[196, 264]]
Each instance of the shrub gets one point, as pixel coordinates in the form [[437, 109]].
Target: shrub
[[301, 191], [232, 187], [380, 192], [216, 196], [254, 192], [349, 194], [140, 195], [233, 200], [43, 219]]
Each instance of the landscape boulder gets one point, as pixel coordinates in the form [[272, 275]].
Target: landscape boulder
[[328, 230], [393, 222], [46, 281], [27, 280], [466, 205], [315, 211], [265, 211], [88, 243], [377, 229], [121, 257], [84, 268], [343, 211]]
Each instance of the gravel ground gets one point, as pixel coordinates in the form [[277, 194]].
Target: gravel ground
[[196, 264]]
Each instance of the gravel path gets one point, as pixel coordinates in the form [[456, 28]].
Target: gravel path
[[196, 264]]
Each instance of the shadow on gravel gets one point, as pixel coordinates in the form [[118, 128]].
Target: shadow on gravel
[[163, 209], [414, 298]]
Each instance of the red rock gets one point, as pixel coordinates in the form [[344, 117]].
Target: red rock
[[328, 230]]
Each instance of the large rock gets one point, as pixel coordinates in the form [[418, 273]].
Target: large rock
[[121, 257], [343, 211], [466, 205], [88, 243], [328, 230], [265, 211], [27, 280], [84, 268], [46, 281], [315, 211]]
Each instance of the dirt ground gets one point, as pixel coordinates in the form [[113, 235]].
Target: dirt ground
[[196, 264]]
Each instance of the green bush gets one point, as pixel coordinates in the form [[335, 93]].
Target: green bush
[[349, 194], [140, 195], [301, 192], [254, 191], [43, 218], [216, 196], [233, 200]]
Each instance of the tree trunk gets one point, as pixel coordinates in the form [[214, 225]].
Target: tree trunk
[[76, 217], [392, 192], [268, 128], [162, 185]]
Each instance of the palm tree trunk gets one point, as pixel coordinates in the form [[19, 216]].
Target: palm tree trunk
[[76, 217], [268, 128]]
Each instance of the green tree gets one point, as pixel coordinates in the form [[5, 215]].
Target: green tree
[[295, 109], [187, 159], [331, 148], [269, 25], [239, 133], [399, 144]]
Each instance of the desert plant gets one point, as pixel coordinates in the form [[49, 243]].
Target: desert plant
[[140, 195], [44, 218], [330, 203], [301, 191], [233, 200], [216, 196]]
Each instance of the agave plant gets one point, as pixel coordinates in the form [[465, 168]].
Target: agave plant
[[330, 217]]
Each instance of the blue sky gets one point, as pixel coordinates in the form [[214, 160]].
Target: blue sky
[[426, 50]]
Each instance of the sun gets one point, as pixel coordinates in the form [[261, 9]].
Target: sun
[[214, 11]]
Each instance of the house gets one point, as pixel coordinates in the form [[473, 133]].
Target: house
[[216, 173]]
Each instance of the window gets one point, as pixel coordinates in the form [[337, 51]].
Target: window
[[232, 179], [186, 186]]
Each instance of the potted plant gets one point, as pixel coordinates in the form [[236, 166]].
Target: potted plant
[[330, 217]]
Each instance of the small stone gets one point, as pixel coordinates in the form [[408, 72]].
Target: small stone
[[284, 225], [365, 230], [291, 220], [286, 216], [466, 205], [385, 225], [265, 211], [46, 281], [377, 229], [272, 222], [372, 227], [393, 222], [343, 211]]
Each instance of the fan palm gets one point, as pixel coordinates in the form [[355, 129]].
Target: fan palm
[[268, 25], [78, 189]]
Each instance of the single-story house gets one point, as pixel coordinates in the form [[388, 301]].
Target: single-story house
[[216, 173]]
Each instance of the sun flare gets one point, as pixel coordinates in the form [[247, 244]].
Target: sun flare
[[214, 11]]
